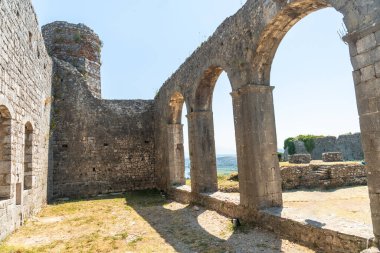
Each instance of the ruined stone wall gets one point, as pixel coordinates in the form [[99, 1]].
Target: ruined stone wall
[[99, 146], [351, 147], [348, 144], [25, 99], [323, 175], [323, 145], [78, 45]]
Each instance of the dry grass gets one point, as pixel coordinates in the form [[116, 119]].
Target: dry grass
[[137, 222], [97, 225]]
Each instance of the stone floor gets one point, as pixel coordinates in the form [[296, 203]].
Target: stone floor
[[346, 210]]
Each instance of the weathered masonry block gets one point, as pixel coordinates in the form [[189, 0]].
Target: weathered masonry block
[[300, 158]]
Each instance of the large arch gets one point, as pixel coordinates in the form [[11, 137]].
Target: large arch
[[201, 132], [205, 88], [364, 45], [275, 31]]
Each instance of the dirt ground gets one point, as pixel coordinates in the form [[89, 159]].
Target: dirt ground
[[138, 222], [345, 209]]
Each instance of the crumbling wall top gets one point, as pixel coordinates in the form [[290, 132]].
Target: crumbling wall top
[[78, 45]]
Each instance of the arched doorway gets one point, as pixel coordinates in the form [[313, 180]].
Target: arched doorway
[[175, 141], [5, 153]]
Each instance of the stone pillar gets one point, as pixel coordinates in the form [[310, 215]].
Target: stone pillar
[[202, 152], [256, 143], [365, 57], [176, 154]]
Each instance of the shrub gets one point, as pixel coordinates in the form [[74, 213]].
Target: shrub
[[289, 144], [308, 140]]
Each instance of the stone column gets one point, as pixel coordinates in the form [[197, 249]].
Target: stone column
[[176, 154], [365, 57], [202, 152], [255, 130]]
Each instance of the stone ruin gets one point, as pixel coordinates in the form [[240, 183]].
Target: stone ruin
[[61, 139], [332, 157], [348, 144]]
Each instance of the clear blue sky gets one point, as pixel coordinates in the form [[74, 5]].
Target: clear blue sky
[[145, 41]]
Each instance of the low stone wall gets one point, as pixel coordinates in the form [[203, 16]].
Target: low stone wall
[[323, 175], [323, 240]]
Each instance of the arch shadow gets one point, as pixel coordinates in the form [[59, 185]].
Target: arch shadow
[[183, 228]]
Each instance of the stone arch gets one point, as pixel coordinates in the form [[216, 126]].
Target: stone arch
[[275, 31], [362, 22], [205, 88], [5, 153], [28, 156], [175, 140], [201, 132]]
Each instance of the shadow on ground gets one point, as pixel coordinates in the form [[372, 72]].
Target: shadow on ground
[[193, 229]]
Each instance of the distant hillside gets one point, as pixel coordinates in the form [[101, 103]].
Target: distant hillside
[[225, 161]]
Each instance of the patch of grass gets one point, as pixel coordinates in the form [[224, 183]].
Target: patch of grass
[[227, 183], [77, 37]]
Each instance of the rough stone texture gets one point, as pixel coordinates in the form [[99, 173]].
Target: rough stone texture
[[300, 158], [332, 157], [323, 145], [79, 46], [25, 99], [350, 146], [111, 150], [300, 147], [323, 176]]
